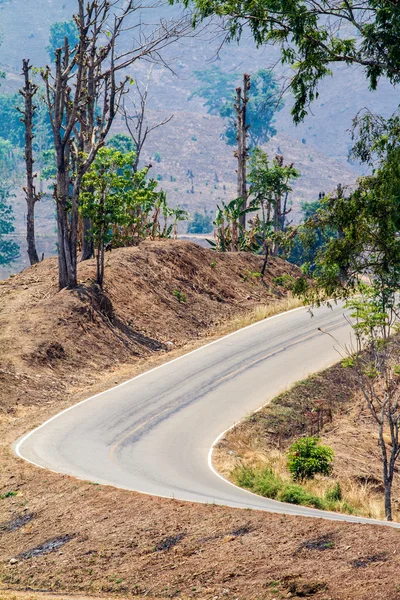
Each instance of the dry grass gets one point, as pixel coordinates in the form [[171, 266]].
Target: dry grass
[[360, 497], [259, 313], [261, 441]]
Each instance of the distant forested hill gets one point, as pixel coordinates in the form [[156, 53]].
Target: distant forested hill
[[194, 164]]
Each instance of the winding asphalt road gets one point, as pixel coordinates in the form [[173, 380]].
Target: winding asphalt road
[[154, 433]]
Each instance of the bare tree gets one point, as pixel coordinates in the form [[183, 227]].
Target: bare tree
[[375, 359], [242, 152], [136, 119], [28, 92], [83, 96]]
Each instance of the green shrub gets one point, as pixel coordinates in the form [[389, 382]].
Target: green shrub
[[295, 494], [244, 477], [286, 281], [180, 296], [334, 494], [307, 458], [267, 484]]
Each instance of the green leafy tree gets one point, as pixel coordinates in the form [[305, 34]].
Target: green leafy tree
[[270, 186], [375, 359], [216, 88], [58, 32], [313, 34], [201, 223], [105, 198], [123, 205], [307, 458], [122, 143], [9, 250], [361, 263], [218, 91], [11, 127], [309, 241]]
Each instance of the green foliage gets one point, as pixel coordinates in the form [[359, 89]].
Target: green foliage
[[270, 186], [58, 32], [121, 142], [310, 239], [180, 296], [9, 250], [295, 494], [9, 494], [286, 281], [307, 458], [11, 127], [307, 35], [201, 223], [218, 91], [124, 206], [367, 245], [265, 482], [335, 493], [269, 180], [229, 234]]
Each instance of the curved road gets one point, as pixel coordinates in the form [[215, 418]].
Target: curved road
[[153, 434]]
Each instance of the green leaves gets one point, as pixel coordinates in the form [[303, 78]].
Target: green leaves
[[125, 206], [218, 90], [307, 33], [307, 458]]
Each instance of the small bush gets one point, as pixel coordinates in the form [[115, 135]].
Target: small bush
[[244, 477], [180, 296], [295, 494], [286, 281], [334, 494], [267, 484], [307, 458]]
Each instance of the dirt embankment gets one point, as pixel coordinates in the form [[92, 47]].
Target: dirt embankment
[[65, 536], [157, 298]]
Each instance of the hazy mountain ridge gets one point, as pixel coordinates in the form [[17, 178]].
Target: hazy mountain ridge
[[191, 141]]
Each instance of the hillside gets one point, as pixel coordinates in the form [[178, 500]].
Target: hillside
[[58, 348], [157, 297], [261, 441], [192, 140]]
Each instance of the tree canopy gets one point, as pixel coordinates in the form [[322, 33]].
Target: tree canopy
[[218, 91], [58, 32], [313, 34]]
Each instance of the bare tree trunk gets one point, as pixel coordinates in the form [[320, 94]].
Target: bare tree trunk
[[388, 500], [242, 149], [100, 265], [388, 469], [28, 92]]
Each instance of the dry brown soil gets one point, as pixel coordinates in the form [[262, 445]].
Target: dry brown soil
[[68, 537]]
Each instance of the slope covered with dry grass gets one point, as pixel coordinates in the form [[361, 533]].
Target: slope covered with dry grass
[[330, 406]]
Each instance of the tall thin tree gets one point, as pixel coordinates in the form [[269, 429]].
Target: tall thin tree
[[242, 152], [28, 92]]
